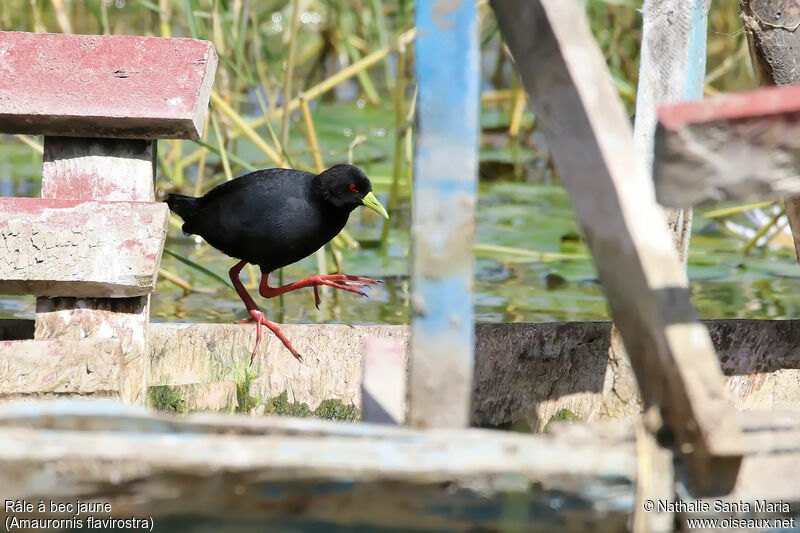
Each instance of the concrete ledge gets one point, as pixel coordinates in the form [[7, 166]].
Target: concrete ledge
[[75, 367]]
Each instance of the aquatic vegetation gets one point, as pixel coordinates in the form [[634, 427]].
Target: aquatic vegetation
[[348, 95]]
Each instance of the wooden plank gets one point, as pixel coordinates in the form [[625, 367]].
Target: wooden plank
[[770, 28], [119, 86], [567, 363], [443, 223], [655, 482], [64, 247], [738, 147], [383, 381], [672, 68], [335, 475], [590, 138], [35, 367], [314, 472]]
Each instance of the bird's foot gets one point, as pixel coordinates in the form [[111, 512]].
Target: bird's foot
[[342, 282], [258, 316]]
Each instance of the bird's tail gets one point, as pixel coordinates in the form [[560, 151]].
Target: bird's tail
[[184, 206]]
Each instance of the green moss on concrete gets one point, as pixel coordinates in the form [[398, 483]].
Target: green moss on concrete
[[280, 405], [246, 400], [328, 410], [335, 410], [163, 398], [561, 417]]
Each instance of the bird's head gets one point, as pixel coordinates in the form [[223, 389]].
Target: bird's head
[[347, 187]]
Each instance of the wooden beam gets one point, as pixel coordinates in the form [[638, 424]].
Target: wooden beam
[[772, 36], [235, 470], [443, 225], [65, 247], [672, 68], [86, 367], [337, 476], [590, 137], [739, 147], [119, 86]]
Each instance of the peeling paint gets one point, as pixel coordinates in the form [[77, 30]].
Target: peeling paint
[[443, 225], [58, 84], [107, 257]]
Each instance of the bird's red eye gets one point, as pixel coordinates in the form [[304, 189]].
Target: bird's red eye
[[353, 187]]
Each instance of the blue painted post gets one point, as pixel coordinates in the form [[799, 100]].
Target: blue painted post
[[443, 224], [696, 72]]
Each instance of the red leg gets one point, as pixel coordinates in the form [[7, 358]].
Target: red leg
[[257, 314], [337, 281]]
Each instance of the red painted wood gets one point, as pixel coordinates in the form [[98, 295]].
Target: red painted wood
[[54, 247], [735, 106], [98, 169], [71, 214], [104, 85]]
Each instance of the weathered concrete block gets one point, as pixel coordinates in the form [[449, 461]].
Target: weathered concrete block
[[46, 367], [81, 249]]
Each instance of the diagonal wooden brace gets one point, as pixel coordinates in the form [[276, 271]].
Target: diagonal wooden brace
[[590, 137]]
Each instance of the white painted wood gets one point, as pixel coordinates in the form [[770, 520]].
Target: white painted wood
[[383, 381], [341, 475], [672, 69]]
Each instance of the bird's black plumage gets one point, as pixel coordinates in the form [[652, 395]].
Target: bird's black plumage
[[274, 217]]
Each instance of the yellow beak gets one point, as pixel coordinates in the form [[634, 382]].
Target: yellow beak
[[372, 202]]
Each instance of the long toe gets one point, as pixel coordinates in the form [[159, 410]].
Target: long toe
[[340, 286], [345, 277]]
